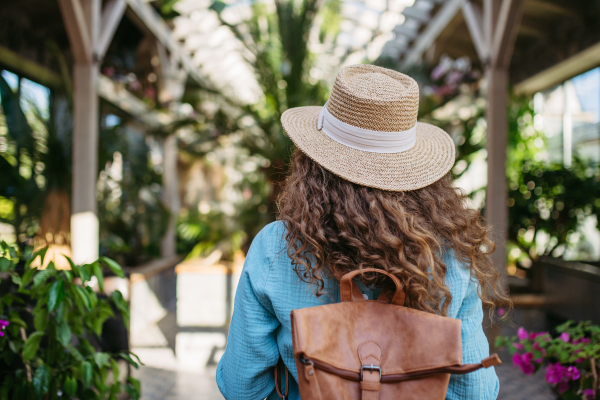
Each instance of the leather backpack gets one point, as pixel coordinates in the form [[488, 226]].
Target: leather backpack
[[375, 350]]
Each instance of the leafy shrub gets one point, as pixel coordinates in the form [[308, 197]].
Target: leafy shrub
[[571, 358], [50, 322]]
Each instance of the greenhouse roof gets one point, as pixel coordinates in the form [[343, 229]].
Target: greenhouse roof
[[364, 30]]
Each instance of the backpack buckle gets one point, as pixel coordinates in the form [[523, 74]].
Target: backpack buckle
[[370, 368]]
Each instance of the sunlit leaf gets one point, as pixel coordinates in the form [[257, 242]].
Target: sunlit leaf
[[101, 359], [99, 275], [82, 294], [114, 266], [41, 276]]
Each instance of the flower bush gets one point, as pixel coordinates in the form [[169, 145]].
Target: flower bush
[[50, 325], [571, 359]]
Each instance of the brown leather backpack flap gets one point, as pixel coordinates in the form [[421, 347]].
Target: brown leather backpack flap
[[347, 336]]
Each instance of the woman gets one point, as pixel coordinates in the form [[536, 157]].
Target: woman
[[368, 187]]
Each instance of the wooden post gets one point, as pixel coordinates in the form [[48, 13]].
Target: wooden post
[[84, 219], [82, 22], [170, 194], [494, 36], [171, 83], [496, 209]]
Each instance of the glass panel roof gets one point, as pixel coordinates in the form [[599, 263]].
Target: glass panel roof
[[367, 28]]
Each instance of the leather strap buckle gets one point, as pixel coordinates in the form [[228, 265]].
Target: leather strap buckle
[[370, 368]]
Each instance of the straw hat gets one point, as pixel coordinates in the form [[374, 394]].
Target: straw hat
[[367, 133]]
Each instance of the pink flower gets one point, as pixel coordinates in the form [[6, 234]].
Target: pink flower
[[522, 334], [518, 346], [581, 340], [560, 375], [588, 394], [555, 373], [565, 337], [501, 312], [3, 324], [573, 373], [524, 362], [534, 335]]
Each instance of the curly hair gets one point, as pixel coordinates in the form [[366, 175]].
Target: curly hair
[[335, 226]]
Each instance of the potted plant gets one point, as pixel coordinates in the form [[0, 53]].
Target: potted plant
[[50, 322], [572, 359]]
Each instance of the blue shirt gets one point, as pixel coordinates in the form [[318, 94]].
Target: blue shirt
[[260, 330]]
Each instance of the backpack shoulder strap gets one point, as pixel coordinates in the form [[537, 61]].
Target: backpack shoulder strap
[[282, 394]]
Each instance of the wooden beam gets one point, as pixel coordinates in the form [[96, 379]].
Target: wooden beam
[[544, 7], [77, 30], [473, 18], [111, 17], [155, 24], [432, 31], [491, 9], [30, 69], [572, 66], [505, 32], [126, 101]]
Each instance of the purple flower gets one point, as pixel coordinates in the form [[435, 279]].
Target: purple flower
[[518, 346], [588, 394], [560, 375], [573, 373], [501, 312], [555, 373], [3, 324], [565, 337], [522, 334], [581, 340], [523, 361], [534, 335]]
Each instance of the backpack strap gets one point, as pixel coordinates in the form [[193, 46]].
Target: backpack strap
[[282, 395]]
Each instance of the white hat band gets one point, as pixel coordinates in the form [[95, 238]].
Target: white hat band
[[365, 139]]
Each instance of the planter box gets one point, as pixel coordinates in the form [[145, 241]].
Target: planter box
[[571, 289]]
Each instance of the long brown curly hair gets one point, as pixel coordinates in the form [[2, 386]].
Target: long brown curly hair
[[335, 226]]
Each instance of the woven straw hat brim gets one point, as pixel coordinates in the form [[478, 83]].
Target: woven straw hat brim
[[427, 161]]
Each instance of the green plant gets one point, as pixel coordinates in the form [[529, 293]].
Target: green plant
[[547, 202], [132, 216], [572, 358], [53, 319], [278, 40]]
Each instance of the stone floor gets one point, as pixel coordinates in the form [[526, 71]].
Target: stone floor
[[162, 384]]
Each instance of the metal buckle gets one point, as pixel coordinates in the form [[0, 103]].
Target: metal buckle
[[306, 361], [370, 368]]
